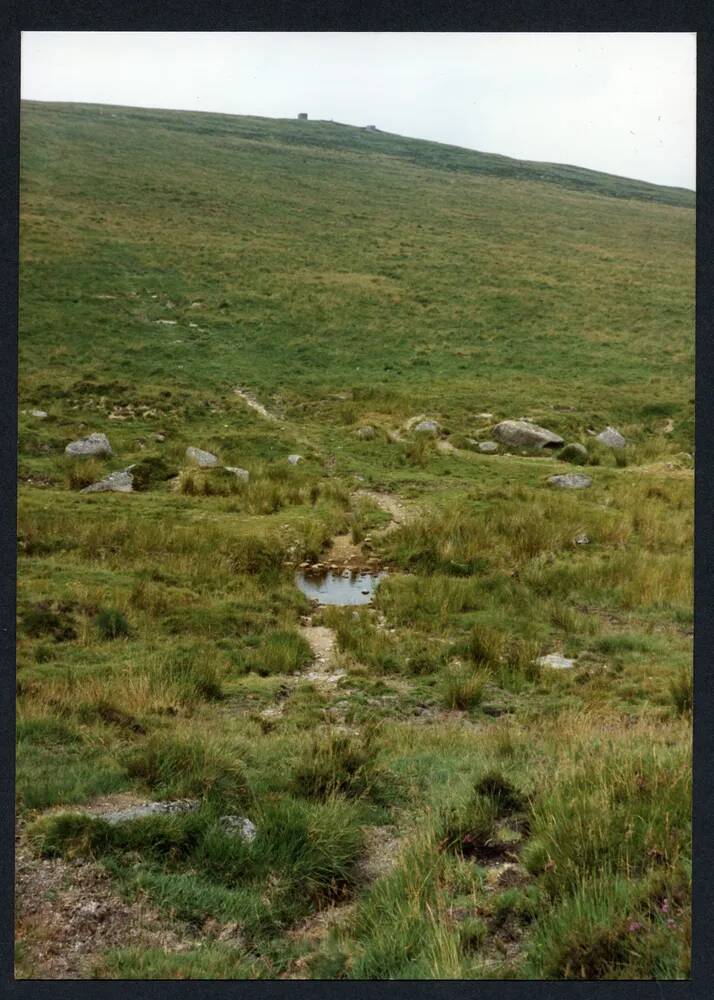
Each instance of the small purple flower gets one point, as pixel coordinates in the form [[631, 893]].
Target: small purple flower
[[665, 906], [634, 926], [671, 924]]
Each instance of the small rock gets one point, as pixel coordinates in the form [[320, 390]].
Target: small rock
[[524, 434], [366, 433], [294, 459], [159, 437], [116, 482], [611, 437], [555, 661], [571, 481], [427, 427], [167, 322], [581, 539], [38, 414], [93, 444], [487, 447], [242, 474], [240, 826], [203, 459]]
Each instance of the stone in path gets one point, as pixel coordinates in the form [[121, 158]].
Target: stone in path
[[427, 427]]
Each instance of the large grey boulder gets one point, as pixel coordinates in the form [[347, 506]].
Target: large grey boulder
[[571, 481], [427, 427], [524, 434], [487, 447], [203, 459], [116, 482], [242, 474], [611, 437], [93, 444]]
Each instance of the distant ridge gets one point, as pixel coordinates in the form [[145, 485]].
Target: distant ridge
[[360, 138]]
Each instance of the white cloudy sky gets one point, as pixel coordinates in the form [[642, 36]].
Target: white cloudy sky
[[622, 103]]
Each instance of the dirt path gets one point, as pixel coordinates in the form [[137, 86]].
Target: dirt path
[[67, 914], [387, 502], [323, 643]]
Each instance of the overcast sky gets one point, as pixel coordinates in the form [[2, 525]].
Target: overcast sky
[[622, 103]]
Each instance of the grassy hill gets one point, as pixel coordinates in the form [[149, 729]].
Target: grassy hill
[[440, 805]]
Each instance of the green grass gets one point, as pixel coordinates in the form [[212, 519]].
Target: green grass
[[350, 279]]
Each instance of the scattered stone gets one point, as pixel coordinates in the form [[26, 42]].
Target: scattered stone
[[239, 826], [242, 474], [39, 414], [167, 322], [160, 437], [150, 809], [116, 482], [524, 434], [366, 433], [487, 447], [427, 427], [484, 416], [203, 459], [555, 661], [571, 481], [93, 444], [611, 437], [575, 453], [294, 459], [581, 539]]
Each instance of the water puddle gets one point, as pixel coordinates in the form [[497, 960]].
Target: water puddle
[[339, 586]]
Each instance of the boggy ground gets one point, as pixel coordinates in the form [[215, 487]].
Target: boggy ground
[[428, 801]]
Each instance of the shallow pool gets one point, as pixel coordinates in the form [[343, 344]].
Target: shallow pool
[[339, 586]]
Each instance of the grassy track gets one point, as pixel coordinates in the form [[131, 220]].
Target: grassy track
[[429, 802]]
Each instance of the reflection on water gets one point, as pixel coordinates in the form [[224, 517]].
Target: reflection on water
[[340, 587]]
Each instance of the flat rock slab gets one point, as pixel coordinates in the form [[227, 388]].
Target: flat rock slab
[[488, 447], [39, 414], [571, 481], [524, 434], [203, 459], [555, 662], [93, 444], [611, 437], [115, 482]]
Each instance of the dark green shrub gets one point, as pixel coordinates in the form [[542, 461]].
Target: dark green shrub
[[150, 470], [112, 624], [576, 454]]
